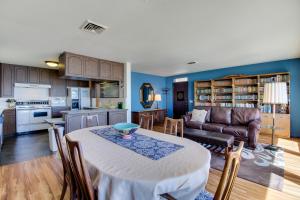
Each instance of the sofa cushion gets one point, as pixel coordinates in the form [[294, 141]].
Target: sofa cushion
[[243, 116], [237, 131], [198, 115], [208, 109], [213, 127], [193, 124], [221, 115]]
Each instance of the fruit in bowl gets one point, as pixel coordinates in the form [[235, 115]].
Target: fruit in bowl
[[126, 129]]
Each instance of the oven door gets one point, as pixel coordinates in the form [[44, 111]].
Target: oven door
[[39, 115]]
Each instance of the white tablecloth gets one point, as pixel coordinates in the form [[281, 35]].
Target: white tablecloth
[[121, 174]]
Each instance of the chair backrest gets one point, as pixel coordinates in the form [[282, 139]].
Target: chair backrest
[[229, 174], [173, 125], [79, 169], [63, 154], [146, 122], [89, 121]]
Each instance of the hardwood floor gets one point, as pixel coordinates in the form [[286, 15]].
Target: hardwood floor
[[41, 178], [25, 147]]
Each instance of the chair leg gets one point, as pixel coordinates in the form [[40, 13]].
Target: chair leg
[[63, 192], [73, 192]]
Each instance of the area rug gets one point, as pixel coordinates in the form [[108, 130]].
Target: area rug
[[260, 166]]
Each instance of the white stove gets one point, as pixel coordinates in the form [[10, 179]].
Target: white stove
[[31, 115]]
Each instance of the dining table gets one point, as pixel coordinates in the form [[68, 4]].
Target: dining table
[[144, 166]]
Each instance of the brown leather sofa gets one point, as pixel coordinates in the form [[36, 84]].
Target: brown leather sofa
[[242, 123]]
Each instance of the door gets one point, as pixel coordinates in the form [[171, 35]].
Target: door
[[91, 68], [118, 71], [7, 81], [21, 74], [74, 65], [105, 70], [58, 85], [180, 99], [33, 75], [117, 117], [38, 116], [84, 97], [45, 76]]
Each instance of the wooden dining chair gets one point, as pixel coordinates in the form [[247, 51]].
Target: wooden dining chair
[[89, 121], [68, 175], [80, 170], [171, 126], [146, 122], [228, 177]]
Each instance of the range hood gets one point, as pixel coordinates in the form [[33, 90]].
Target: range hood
[[30, 85]]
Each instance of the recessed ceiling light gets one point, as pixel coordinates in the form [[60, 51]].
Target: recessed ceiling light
[[192, 62], [51, 63]]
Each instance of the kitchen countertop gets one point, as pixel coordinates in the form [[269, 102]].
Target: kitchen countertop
[[55, 121], [96, 110]]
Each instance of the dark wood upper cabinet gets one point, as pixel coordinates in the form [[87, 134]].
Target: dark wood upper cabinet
[[117, 71], [91, 68], [75, 66], [58, 85], [45, 76], [105, 69], [71, 65], [7, 80], [21, 74], [33, 75]]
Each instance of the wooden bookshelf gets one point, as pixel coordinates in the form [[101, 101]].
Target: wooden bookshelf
[[244, 91]]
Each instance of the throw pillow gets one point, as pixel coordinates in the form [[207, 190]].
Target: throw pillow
[[199, 115]]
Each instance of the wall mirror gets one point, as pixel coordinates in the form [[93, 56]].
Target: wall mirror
[[146, 95]]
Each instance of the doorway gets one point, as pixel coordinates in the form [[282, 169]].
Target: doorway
[[180, 99]]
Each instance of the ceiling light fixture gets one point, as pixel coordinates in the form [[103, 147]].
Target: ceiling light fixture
[[51, 63], [192, 62]]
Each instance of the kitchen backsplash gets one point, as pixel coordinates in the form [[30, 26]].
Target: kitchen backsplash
[[58, 101], [107, 102], [21, 93]]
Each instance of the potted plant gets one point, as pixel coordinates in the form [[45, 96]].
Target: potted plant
[[11, 103]]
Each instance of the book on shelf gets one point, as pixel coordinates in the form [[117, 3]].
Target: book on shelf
[[203, 91], [204, 97], [278, 78], [245, 81], [245, 105], [223, 83], [223, 104], [223, 90], [203, 84], [248, 89], [204, 104], [246, 97], [226, 97]]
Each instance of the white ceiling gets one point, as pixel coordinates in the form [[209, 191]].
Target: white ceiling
[[156, 36]]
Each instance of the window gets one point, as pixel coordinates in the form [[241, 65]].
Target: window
[[183, 79]]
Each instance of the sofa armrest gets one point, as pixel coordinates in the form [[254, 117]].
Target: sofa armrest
[[187, 117], [253, 132]]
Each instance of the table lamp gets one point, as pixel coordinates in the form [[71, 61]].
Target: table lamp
[[275, 93], [157, 98]]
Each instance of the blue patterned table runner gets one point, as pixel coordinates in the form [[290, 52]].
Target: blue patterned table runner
[[147, 146]]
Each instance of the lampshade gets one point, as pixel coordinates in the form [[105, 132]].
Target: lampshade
[[157, 97], [275, 93]]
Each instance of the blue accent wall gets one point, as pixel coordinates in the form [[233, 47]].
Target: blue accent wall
[[157, 82], [292, 66]]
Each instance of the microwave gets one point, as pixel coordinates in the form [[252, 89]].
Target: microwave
[[109, 89]]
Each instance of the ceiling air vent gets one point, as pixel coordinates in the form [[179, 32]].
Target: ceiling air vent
[[92, 27]]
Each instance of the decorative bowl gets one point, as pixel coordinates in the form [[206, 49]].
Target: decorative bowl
[[126, 129]]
